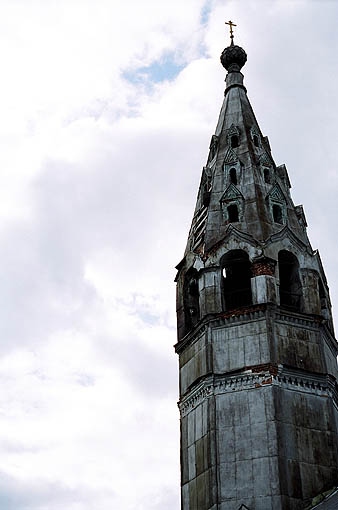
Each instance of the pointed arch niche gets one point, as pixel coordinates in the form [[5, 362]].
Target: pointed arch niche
[[266, 168], [255, 136], [232, 203], [236, 280], [232, 168], [277, 205], [233, 137], [290, 286]]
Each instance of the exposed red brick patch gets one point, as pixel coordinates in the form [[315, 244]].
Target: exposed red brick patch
[[266, 367], [263, 266], [242, 311]]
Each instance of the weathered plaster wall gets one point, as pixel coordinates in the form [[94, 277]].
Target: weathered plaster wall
[[240, 345], [198, 461]]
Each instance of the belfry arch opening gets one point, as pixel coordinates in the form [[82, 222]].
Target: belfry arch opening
[[236, 280], [290, 287], [191, 299]]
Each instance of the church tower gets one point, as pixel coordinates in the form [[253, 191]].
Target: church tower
[[256, 345]]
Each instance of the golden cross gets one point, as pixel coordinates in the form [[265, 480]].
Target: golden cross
[[231, 24]]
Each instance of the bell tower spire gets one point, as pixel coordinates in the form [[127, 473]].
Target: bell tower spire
[[242, 188], [256, 345]]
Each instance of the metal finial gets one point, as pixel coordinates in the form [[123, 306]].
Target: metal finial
[[231, 24]]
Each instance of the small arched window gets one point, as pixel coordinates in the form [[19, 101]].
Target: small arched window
[[236, 279], [233, 176], [233, 213], [290, 287], [277, 213], [267, 176], [234, 141], [255, 140]]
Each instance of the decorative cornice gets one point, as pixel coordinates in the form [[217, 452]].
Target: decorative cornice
[[254, 313], [250, 313], [196, 396], [323, 385], [299, 319], [191, 337]]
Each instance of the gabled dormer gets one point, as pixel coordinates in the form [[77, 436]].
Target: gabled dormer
[[277, 205], [230, 157], [233, 137], [232, 204], [231, 168], [213, 148], [266, 168], [256, 137]]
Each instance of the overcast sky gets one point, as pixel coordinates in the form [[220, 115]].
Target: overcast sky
[[107, 108]]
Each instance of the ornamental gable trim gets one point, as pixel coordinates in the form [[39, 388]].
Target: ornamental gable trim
[[287, 233], [231, 193], [276, 194], [265, 160], [230, 157], [232, 231], [233, 130]]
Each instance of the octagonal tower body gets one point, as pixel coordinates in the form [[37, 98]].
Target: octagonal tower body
[[256, 345]]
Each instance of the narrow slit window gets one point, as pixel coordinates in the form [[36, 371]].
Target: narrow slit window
[[191, 300], [255, 140], [233, 213], [233, 176], [267, 176], [234, 141], [277, 213], [206, 197]]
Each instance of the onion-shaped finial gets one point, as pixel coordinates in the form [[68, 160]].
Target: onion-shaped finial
[[233, 58]]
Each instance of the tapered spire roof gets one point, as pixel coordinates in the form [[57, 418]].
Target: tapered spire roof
[[241, 186]]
